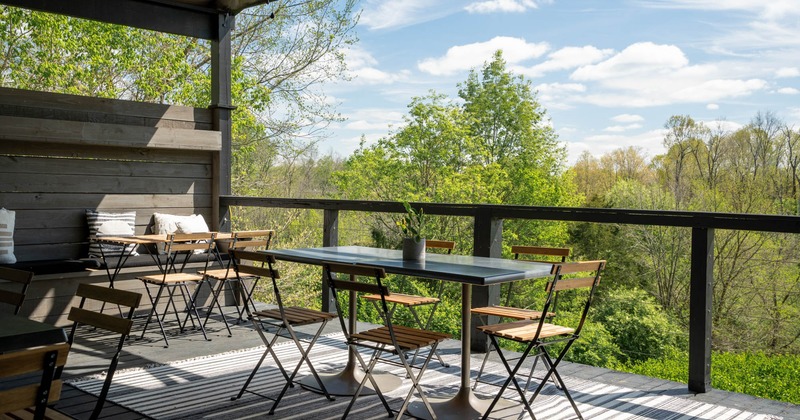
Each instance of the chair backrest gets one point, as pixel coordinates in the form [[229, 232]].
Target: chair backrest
[[251, 239], [535, 254], [80, 315], [443, 245], [337, 285], [256, 264], [11, 297], [590, 278], [26, 394], [187, 244]]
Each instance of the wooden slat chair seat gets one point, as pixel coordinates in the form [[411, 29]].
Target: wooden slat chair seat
[[11, 297], [411, 302], [29, 400], [392, 339], [177, 249], [528, 253], [30, 414], [282, 319], [79, 315], [226, 278], [538, 334]]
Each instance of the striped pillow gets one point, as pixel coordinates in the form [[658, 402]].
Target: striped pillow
[[7, 237], [110, 224]]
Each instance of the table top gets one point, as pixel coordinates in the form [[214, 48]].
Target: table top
[[18, 332], [480, 271], [149, 238]]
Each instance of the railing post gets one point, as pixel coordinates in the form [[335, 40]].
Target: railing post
[[701, 291], [487, 242], [330, 237]]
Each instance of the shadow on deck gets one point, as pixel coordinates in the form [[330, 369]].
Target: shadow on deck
[[89, 356]]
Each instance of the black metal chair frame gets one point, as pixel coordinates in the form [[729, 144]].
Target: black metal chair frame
[[518, 250], [120, 325], [539, 341], [380, 340], [15, 299], [283, 320], [246, 239], [429, 244], [177, 250]]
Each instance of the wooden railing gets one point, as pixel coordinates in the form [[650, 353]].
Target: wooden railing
[[488, 235]]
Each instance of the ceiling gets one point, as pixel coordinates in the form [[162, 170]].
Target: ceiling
[[195, 18]]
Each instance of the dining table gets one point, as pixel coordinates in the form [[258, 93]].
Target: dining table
[[18, 332], [468, 270]]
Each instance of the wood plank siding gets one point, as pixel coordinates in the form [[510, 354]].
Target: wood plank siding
[[63, 154]]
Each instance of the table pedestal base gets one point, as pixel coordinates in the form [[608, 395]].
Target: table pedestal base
[[464, 405], [346, 382]]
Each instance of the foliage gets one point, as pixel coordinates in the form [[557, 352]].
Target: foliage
[[412, 224], [753, 373], [637, 324]]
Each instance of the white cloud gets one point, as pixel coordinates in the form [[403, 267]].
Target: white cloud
[[788, 91], [373, 119], [465, 57], [627, 118], [621, 128], [787, 72], [566, 58], [362, 67], [770, 10], [712, 107], [385, 14], [647, 74], [505, 6], [724, 126]]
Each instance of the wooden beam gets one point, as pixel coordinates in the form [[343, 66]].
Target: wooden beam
[[487, 242], [96, 134], [330, 237], [171, 17]]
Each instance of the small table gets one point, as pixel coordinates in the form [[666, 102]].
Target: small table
[[18, 333], [467, 270]]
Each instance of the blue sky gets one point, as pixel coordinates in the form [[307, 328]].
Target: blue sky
[[609, 72]]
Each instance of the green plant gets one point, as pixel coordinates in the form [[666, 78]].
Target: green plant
[[412, 224]]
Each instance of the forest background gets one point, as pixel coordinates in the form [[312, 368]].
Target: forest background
[[492, 144]]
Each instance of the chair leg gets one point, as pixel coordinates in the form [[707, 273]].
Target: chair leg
[[367, 376], [215, 292], [424, 327], [154, 310], [415, 383], [192, 307], [483, 365], [512, 378], [554, 372]]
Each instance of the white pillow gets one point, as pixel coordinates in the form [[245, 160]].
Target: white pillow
[[7, 237], [165, 224], [110, 224], [192, 224]]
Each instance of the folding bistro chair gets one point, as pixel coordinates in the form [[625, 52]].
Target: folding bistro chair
[[393, 339], [284, 319], [538, 334], [226, 277], [412, 302], [178, 249], [26, 399], [13, 298], [120, 325], [529, 253]]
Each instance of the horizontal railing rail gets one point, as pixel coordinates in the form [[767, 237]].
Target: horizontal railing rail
[[487, 241]]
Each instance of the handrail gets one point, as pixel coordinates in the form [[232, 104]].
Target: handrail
[[732, 221], [488, 227]]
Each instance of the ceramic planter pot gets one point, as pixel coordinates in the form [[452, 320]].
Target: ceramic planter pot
[[413, 250]]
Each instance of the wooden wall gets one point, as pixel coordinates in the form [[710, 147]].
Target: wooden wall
[[63, 154]]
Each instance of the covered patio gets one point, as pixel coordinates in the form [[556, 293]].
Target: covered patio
[[108, 153]]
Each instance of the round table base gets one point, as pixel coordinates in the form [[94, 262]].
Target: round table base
[[346, 382], [464, 405]]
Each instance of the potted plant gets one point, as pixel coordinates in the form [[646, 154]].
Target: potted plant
[[412, 225]]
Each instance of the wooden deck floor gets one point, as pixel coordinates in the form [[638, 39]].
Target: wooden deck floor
[[90, 356]]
